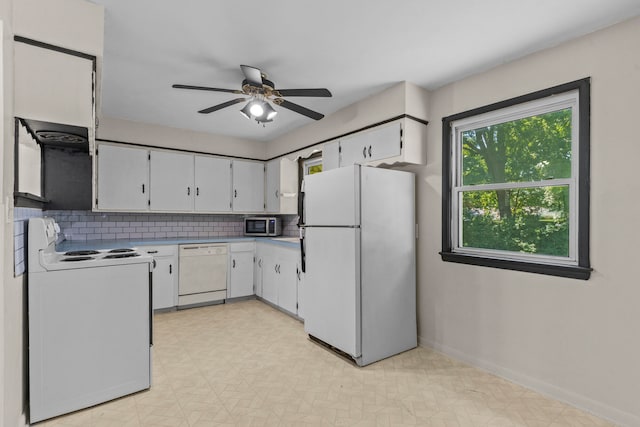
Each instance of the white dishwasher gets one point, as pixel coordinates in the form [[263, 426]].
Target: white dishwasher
[[203, 273]]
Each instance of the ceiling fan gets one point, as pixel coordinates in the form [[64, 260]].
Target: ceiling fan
[[262, 92]]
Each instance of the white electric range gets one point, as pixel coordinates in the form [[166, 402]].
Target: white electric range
[[90, 324]]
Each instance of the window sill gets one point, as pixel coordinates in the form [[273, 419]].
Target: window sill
[[573, 272]]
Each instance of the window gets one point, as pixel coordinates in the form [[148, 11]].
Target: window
[[312, 165], [516, 183]]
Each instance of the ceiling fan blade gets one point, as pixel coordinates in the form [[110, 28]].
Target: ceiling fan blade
[[252, 74], [305, 92], [298, 108], [221, 106], [214, 89]]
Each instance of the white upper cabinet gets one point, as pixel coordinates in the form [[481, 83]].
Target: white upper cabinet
[[331, 155], [399, 142], [281, 186], [53, 86], [122, 178], [172, 181], [248, 186], [213, 184], [373, 144]]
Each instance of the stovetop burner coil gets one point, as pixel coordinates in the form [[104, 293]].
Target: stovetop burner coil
[[81, 253], [120, 250], [77, 258], [121, 255]]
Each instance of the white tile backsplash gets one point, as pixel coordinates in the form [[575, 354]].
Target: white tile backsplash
[[87, 225], [20, 221]]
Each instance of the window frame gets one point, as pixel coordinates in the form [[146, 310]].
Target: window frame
[[577, 265]]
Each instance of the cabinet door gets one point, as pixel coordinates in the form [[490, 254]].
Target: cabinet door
[[257, 269], [331, 155], [171, 178], [53, 86], [248, 186], [272, 186], [352, 151], [240, 274], [270, 278], [281, 186], [384, 142], [122, 178], [300, 280], [287, 281], [164, 283], [212, 184]]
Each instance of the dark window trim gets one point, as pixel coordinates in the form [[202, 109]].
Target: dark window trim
[[583, 269]]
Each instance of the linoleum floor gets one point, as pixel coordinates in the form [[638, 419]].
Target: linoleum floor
[[248, 364]]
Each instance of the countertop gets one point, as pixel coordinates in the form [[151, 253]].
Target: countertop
[[76, 245]]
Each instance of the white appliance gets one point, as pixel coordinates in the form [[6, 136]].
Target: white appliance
[[203, 274], [358, 244], [89, 324]]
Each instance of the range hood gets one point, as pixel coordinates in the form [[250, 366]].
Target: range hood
[[64, 164], [58, 135]]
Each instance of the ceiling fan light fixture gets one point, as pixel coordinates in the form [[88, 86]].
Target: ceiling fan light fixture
[[259, 110], [246, 111], [256, 108], [270, 112]]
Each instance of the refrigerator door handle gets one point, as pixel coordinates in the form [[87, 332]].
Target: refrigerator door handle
[[301, 209], [303, 261]]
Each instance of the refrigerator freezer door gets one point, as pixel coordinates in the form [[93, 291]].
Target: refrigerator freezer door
[[332, 287], [332, 198]]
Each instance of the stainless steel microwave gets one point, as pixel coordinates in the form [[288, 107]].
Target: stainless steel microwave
[[262, 226]]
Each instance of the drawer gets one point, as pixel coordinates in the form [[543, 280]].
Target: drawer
[[242, 246], [157, 251]]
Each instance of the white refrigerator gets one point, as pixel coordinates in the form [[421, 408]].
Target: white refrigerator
[[358, 245]]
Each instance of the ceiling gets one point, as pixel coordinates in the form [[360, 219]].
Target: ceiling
[[354, 48]]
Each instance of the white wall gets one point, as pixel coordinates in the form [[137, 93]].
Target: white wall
[[11, 295], [578, 341], [162, 136]]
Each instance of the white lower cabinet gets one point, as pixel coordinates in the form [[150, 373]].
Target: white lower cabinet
[[280, 268], [240, 282], [165, 275], [270, 276], [300, 286], [258, 263]]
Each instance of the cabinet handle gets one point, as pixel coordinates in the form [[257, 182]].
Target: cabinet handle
[[188, 191], [275, 267], [170, 269], [142, 188], [364, 152], [154, 263], [235, 193], [260, 263], [277, 194], [233, 263], [197, 191], [152, 252], [369, 151]]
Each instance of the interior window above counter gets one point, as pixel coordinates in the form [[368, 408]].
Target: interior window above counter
[[401, 141]]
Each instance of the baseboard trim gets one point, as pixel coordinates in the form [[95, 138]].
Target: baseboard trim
[[584, 403]]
